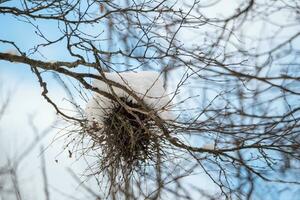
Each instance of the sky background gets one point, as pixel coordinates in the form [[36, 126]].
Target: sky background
[[27, 106]]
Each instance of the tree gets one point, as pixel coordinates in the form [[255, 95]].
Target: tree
[[232, 78]]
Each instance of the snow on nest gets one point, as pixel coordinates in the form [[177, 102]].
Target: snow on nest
[[147, 85]]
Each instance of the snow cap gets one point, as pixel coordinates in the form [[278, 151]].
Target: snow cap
[[147, 85]]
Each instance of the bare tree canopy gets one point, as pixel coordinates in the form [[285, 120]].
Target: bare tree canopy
[[228, 74]]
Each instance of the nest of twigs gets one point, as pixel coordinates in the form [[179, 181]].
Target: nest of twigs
[[128, 139]]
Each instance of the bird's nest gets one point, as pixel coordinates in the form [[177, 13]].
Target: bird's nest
[[128, 139]]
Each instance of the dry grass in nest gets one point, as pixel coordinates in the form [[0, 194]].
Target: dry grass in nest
[[129, 140]]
